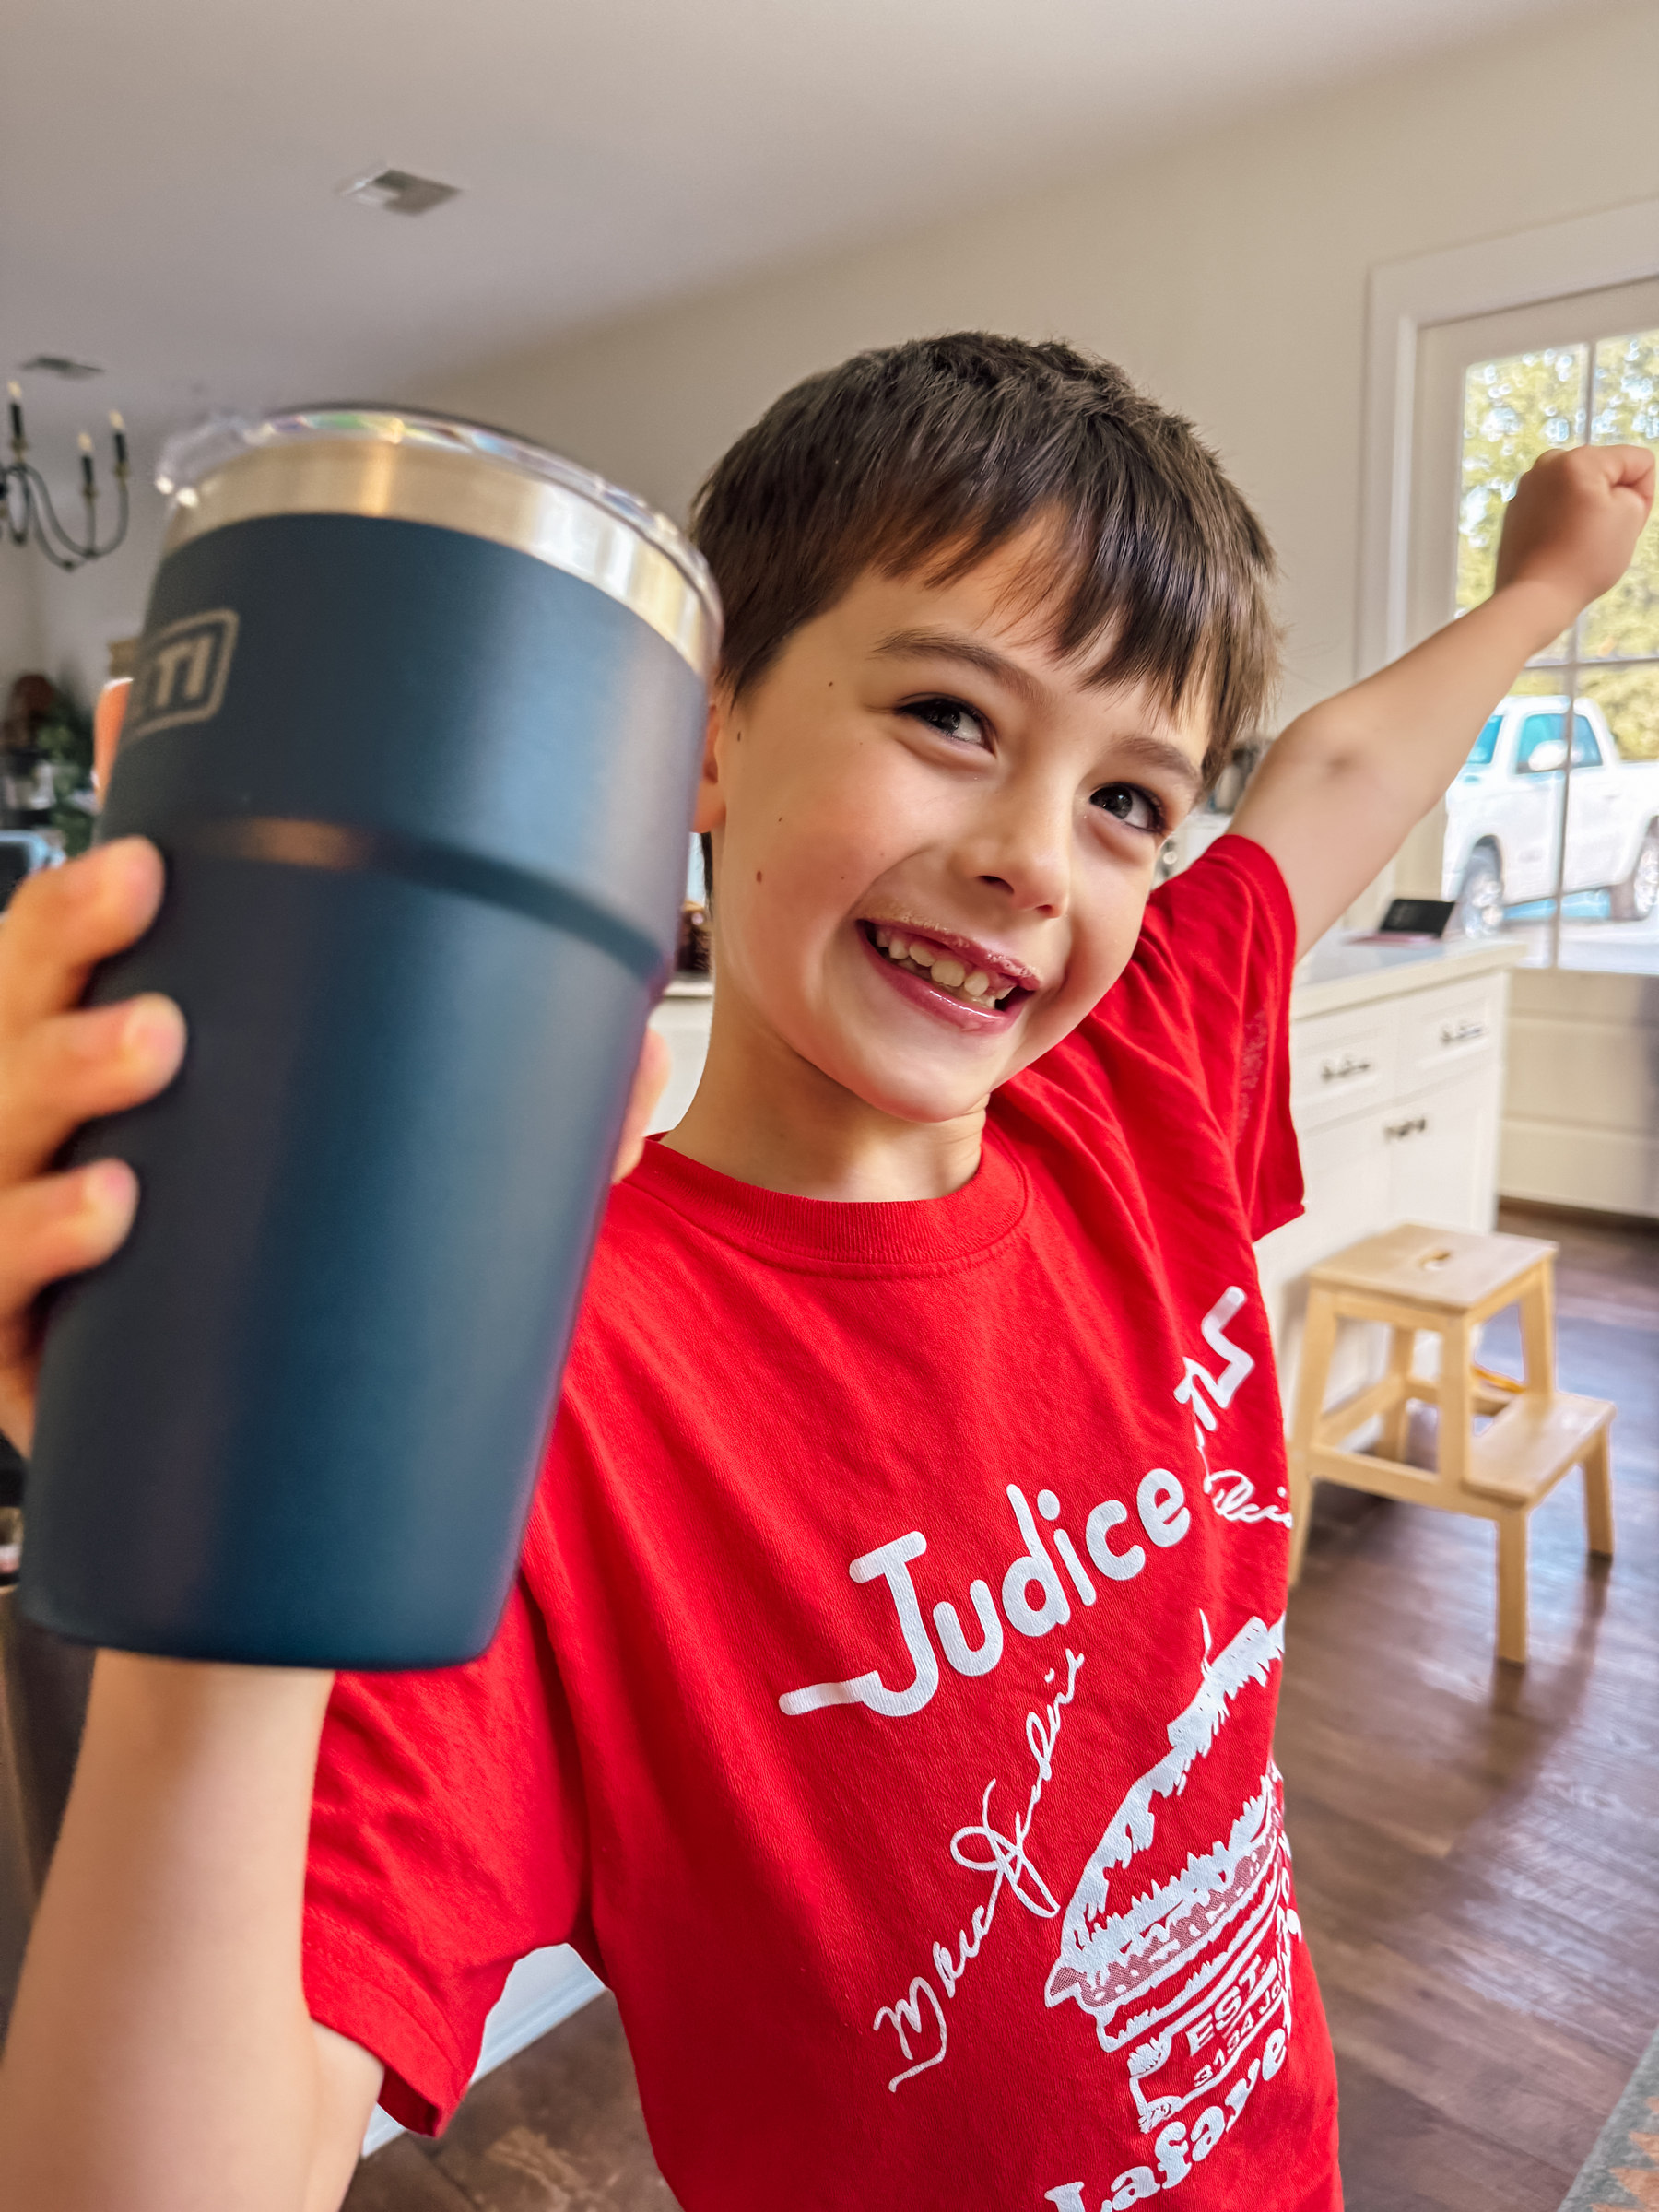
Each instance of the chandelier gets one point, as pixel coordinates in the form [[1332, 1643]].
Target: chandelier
[[28, 510]]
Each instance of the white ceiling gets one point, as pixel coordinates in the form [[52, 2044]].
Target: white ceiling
[[168, 170]]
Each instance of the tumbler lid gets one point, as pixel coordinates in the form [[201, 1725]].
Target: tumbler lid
[[410, 466]]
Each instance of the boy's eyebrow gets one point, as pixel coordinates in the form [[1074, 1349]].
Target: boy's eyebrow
[[1158, 752], [955, 645]]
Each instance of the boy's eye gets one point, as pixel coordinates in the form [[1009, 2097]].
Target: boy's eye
[[1127, 802], [949, 717]]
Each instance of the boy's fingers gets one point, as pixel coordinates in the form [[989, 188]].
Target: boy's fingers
[[67, 1069], [1621, 463], [54, 1226], [1637, 466], [59, 1224], [62, 921], [1611, 468]]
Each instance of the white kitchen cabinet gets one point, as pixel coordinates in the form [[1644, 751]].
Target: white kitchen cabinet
[[1396, 1090]]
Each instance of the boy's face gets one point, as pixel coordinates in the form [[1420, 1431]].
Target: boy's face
[[933, 839]]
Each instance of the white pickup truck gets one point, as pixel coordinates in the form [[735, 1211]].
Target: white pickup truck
[[1504, 815]]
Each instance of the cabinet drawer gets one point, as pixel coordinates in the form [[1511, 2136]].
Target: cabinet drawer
[[1341, 1063], [1443, 1152], [1345, 1170], [1445, 1032]]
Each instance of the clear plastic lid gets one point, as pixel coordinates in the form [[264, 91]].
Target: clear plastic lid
[[192, 455]]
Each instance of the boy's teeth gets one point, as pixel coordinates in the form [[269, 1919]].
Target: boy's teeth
[[942, 967]]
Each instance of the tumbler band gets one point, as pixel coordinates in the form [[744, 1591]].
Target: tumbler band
[[415, 468], [286, 841]]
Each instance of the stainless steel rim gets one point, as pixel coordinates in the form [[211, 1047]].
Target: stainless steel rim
[[428, 468]]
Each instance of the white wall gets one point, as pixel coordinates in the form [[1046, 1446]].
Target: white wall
[[1582, 1121], [19, 614], [1227, 272]]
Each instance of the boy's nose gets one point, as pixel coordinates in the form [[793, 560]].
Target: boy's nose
[[1024, 850]]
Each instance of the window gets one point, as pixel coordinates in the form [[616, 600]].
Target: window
[[1561, 852], [1486, 744]]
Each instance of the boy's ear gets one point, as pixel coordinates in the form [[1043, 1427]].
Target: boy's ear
[[710, 794]]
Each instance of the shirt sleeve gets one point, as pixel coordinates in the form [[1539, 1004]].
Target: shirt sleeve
[[1204, 1005], [447, 1841]]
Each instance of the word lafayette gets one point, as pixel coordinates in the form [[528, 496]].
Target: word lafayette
[[1176, 2151], [1164, 1517]]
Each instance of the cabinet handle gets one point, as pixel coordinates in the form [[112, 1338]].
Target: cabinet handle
[[1339, 1071], [1461, 1032], [1415, 1127]]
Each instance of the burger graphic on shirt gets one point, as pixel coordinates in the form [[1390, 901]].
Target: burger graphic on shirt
[[1191, 1974]]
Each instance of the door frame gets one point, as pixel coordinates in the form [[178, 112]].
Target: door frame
[[1557, 1148]]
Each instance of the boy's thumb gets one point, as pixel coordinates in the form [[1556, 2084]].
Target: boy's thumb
[[651, 1079], [107, 718]]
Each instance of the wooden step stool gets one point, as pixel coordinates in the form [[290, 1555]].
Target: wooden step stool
[[1449, 1281]]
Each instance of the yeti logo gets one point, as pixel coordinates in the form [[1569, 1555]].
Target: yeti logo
[[181, 675]]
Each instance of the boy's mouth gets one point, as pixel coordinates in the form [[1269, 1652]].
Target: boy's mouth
[[956, 968]]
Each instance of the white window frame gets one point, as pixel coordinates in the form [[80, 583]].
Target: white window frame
[[1590, 253]]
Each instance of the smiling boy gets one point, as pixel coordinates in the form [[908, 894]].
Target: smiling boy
[[884, 1705]]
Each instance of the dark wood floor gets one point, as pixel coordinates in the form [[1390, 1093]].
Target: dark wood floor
[[1476, 1845]]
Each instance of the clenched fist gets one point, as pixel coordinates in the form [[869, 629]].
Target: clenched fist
[[1572, 525]]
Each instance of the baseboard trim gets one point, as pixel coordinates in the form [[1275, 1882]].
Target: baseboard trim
[[1585, 1216]]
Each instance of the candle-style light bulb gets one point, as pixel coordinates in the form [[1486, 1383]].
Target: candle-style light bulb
[[118, 429], [14, 392]]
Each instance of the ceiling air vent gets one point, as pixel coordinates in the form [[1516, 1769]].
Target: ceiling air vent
[[400, 191], [60, 364]]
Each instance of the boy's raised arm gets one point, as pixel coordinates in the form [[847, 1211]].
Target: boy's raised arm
[[1339, 791]]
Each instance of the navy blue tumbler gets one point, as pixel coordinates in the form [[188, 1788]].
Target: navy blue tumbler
[[416, 723]]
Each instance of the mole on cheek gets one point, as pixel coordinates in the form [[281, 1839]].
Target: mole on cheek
[[757, 875]]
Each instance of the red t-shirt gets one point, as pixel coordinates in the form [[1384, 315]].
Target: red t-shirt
[[884, 1705]]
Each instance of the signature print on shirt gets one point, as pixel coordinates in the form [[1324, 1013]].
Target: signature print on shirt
[[1230, 1490], [981, 1848]]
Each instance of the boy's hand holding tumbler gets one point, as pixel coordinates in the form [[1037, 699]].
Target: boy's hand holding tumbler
[[415, 727]]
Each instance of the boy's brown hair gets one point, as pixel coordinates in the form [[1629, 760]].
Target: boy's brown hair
[[930, 456]]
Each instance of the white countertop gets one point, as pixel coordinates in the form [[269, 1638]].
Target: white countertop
[[1337, 973]]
